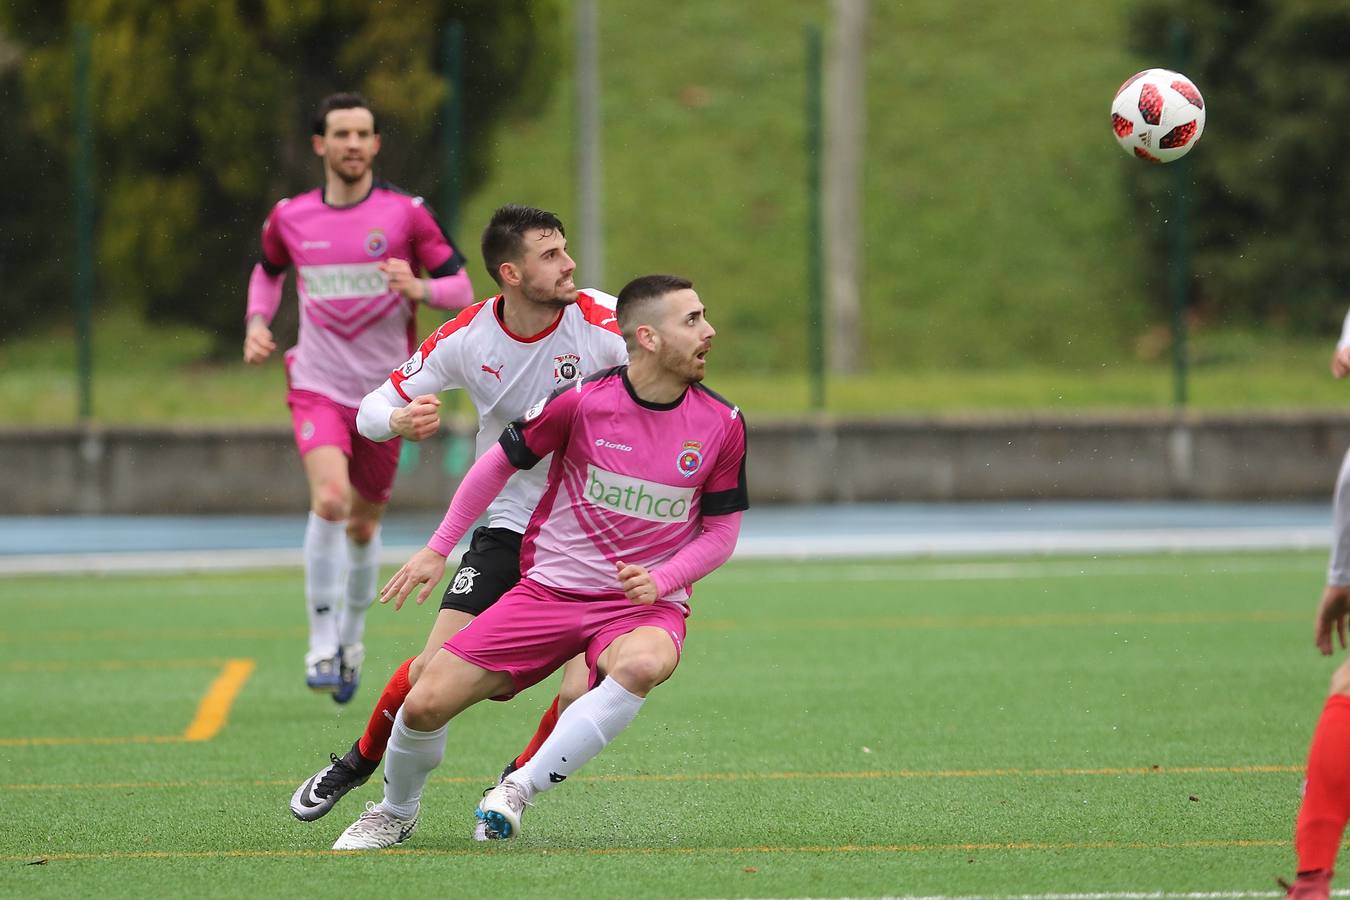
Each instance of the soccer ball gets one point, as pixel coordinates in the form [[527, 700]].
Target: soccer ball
[[1158, 115]]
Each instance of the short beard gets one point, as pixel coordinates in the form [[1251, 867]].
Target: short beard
[[349, 179], [548, 298]]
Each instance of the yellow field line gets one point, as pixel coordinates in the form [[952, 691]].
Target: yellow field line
[[97, 741], [211, 715], [666, 851], [729, 776], [215, 706], [886, 622], [108, 665]]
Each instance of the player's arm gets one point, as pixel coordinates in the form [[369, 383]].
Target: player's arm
[[724, 499], [1334, 608], [479, 487], [712, 546], [1340, 360], [384, 415], [448, 285], [407, 405], [264, 293]]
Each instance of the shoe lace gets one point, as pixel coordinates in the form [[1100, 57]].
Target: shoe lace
[[370, 820], [515, 795], [338, 774]]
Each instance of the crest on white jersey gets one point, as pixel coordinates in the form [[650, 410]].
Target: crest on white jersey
[[566, 367]]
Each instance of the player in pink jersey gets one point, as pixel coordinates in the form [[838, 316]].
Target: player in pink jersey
[[357, 245], [505, 352], [644, 497]]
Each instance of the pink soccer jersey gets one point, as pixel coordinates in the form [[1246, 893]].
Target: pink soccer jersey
[[353, 328], [630, 480]]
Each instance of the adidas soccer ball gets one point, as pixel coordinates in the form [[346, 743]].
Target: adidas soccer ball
[[1158, 115]]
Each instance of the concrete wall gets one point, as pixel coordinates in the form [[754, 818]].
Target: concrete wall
[[822, 460]]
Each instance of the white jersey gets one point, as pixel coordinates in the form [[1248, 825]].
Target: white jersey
[[506, 374]]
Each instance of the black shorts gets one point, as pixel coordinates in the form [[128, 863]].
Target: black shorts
[[490, 568]]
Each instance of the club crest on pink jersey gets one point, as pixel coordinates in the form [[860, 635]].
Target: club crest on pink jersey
[[566, 367], [690, 458], [376, 243]]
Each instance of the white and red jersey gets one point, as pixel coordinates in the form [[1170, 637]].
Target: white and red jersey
[[505, 374], [630, 480], [353, 328]]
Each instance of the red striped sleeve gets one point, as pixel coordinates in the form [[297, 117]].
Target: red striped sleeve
[[414, 365], [597, 314]]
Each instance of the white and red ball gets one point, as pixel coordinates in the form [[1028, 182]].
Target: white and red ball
[[1158, 115]]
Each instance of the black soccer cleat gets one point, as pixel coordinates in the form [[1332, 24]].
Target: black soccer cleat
[[322, 790]]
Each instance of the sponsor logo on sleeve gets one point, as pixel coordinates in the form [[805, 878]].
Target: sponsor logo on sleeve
[[690, 458], [636, 497], [533, 412], [412, 366]]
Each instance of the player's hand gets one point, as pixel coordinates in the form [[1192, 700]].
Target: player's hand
[[425, 568], [637, 583], [1340, 362], [402, 279], [1332, 613], [419, 420], [258, 343]]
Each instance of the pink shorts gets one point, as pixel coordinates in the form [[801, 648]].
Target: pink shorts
[[321, 422], [532, 630]]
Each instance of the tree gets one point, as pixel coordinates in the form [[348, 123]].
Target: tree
[[1269, 212], [203, 110]]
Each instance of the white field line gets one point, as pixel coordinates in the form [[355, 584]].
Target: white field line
[[1098, 895], [751, 547]]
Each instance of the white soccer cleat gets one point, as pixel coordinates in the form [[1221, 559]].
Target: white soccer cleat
[[375, 830], [500, 811]]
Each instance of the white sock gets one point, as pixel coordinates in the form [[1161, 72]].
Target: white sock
[[408, 762], [583, 730], [325, 575], [363, 571]]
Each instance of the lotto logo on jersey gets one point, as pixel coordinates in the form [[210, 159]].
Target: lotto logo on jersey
[[342, 281], [640, 499]]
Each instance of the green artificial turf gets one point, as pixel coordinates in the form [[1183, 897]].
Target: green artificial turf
[[865, 728]]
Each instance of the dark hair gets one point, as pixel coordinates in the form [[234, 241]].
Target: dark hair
[[344, 100], [635, 300], [504, 236]]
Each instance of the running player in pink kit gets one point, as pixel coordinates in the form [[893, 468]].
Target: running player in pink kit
[[644, 497], [356, 244]]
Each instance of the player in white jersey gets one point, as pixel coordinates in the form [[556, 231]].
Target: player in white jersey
[[356, 244], [1325, 808], [645, 492], [506, 352]]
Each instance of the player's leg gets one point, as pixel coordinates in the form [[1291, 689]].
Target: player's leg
[[489, 568], [321, 791], [363, 572], [325, 558], [575, 682], [1326, 799], [635, 652], [447, 686], [372, 468]]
